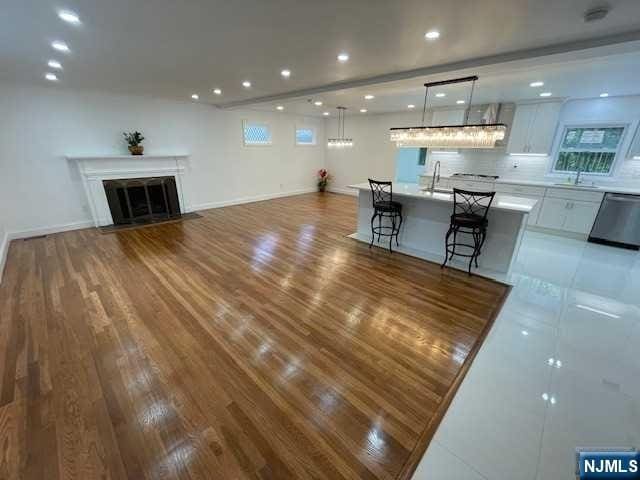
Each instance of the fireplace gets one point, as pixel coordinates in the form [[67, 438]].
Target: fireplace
[[142, 200]]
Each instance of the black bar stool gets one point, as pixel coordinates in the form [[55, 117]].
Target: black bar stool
[[469, 216], [385, 207]]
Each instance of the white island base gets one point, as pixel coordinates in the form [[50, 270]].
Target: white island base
[[426, 221]]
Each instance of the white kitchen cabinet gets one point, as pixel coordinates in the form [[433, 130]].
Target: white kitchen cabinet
[[569, 215], [634, 148], [581, 216], [553, 213], [533, 129]]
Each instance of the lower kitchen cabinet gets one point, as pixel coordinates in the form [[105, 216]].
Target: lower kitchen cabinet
[[568, 215], [581, 216]]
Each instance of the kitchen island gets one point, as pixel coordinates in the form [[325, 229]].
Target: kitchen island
[[426, 221]]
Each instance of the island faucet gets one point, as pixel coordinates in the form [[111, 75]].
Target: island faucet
[[436, 168]]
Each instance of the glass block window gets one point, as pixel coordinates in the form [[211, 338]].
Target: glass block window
[[589, 149], [305, 136], [256, 133]]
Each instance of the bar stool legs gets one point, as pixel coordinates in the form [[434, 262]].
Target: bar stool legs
[[381, 230], [478, 235]]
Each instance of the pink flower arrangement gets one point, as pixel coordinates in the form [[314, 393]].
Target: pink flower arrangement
[[323, 179]]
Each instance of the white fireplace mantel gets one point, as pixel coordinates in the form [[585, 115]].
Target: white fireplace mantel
[[96, 168]]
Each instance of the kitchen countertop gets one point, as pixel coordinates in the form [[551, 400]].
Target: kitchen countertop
[[548, 184], [500, 202]]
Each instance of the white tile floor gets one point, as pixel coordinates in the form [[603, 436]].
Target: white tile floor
[[559, 369]]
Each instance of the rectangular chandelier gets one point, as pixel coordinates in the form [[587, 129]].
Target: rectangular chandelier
[[449, 136], [482, 135]]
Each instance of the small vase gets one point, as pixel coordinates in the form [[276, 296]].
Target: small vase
[[136, 150]]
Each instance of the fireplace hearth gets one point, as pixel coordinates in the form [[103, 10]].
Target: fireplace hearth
[[142, 200]]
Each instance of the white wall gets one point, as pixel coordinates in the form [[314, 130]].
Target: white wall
[[4, 247], [374, 155], [40, 126]]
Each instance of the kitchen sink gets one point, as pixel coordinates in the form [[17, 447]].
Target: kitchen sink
[[438, 190]]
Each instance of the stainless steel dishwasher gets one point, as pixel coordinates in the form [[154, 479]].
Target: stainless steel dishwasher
[[618, 221]]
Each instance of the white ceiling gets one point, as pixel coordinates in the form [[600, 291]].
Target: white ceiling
[[172, 48], [585, 74]]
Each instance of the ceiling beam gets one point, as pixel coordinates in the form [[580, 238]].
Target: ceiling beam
[[443, 68]]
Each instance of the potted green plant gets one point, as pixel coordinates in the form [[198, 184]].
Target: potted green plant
[[134, 139]]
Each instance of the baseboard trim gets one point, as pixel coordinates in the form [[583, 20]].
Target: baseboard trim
[[243, 200], [4, 251], [344, 191], [559, 233], [37, 232]]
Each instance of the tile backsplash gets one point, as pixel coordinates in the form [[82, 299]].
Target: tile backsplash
[[521, 167]]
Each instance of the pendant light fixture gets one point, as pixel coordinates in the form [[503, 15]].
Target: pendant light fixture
[[340, 141], [484, 135]]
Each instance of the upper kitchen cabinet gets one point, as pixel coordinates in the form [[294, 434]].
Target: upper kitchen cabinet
[[534, 126], [634, 149]]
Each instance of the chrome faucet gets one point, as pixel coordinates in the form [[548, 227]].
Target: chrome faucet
[[577, 180], [436, 168]]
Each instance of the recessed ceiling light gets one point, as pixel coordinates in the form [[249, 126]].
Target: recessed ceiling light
[[343, 57], [411, 106], [317, 103], [546, 94], [280, 107], [217, 91], [285, 73], [195, 96], [51, 77], [432, 35], [60, 46], [369, 97], [55, 64], [460, 102], [69, 17], [604, 95], [363, 110], [441, 94], [326, 114], [536, 84], [246, 84]]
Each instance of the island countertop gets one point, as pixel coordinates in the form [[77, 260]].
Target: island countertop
[[500, 202]]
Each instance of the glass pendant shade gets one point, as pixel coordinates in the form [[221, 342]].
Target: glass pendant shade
[[340, 141]]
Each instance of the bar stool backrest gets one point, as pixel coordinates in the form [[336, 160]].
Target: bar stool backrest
[[474, 204], [381, 191]]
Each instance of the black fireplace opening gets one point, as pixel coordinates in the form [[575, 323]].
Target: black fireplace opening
[[142, 200]]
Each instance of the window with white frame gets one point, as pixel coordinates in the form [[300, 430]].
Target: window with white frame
[[305, 135], [590, 149], [255, 133]]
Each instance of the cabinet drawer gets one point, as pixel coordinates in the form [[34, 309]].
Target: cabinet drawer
[[520, 189], [569, 194]]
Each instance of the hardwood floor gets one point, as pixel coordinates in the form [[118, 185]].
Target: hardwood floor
[[257, 342]]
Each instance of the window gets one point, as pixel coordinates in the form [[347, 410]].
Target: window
[[305, 136], [256, 133], [591, 149]]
